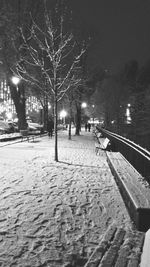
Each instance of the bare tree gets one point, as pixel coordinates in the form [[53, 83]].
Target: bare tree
[[52, 50], [72, 96]]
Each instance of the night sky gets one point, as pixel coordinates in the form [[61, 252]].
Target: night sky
[[120, 28]]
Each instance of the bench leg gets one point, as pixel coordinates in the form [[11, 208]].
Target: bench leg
[[97, 150]]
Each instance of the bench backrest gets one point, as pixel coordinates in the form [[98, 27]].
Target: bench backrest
[[106, 142]]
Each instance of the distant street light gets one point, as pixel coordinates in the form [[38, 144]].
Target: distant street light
[[84, 105], [128, 114], [15, 80], [63, 115]]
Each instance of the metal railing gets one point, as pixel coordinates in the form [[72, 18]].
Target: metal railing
[[135, 154]]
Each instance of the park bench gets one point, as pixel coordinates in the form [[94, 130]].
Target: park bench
[[100, 142], [26, 136], [103, 144], [97, 135], [120, 247], [134, 189]]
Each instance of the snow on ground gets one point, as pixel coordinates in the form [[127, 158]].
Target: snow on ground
[[54, 214]]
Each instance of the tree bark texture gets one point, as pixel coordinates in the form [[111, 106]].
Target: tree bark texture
[[78, 119]]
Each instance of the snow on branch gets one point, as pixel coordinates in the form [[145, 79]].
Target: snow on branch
[[54, 54]]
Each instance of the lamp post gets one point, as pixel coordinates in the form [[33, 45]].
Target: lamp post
[[15, 81], [63, 115]]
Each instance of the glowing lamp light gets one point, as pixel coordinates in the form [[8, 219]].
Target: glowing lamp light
[[63, 114], [83, 105], [15, 80]]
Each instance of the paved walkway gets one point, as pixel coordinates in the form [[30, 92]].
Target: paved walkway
[[55, 214]]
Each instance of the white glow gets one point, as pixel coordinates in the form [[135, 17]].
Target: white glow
[[128, 112], [63, 114], [83, 105], [9, 115], [128, 115], [15, 80]]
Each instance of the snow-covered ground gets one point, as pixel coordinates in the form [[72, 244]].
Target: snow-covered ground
[[54, 214]]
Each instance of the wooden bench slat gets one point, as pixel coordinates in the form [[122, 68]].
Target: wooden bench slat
[[98, 253], [118, 247], [135, 256], [125, 250], [112, 253]]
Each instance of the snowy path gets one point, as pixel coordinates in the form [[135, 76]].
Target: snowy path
[[54, 214]]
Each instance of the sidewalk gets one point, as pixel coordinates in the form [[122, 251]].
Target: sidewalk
[[55, 214]]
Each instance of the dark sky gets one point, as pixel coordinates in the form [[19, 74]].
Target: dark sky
[[121, 30]]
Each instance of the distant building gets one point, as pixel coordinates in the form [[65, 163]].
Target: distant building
[[7, 107]]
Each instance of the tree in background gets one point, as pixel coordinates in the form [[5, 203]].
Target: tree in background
[[111, 96], [14, 14], [71, 98], [141, 108]]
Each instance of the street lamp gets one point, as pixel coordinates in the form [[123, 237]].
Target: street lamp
[[84, 105], [15, 80], [63, 115]]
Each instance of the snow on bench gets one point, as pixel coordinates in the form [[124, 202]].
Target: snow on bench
[[118, 247], [133, 188]]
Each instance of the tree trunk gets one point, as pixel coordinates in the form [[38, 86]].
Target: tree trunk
[[45, 112], [18, 97], [78, 119], [55, 126], [70, 120]]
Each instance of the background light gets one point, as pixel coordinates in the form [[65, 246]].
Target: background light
[[83, 105], [9, 115], [63, 114], [15, 80]]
